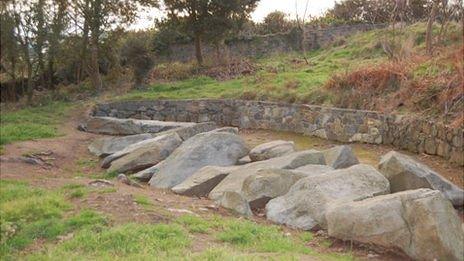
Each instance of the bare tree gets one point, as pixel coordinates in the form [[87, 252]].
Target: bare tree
[[302, 27], [429, 33]]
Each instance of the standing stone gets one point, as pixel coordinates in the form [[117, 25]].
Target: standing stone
[[105, 146], [203, 181], [420, 222], [405, 173], [148, 155], [272, 149], [340, 157], [305, 204], [205, 149]]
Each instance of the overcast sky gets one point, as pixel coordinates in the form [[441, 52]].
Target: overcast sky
[[315, 8]]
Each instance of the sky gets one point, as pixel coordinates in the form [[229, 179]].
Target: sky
[[315, 8]]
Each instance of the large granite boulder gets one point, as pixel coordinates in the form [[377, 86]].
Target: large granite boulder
[[234, 181], [183, 132], [105, 146], [405, 173], [340, 157], [203, 181], [305, 204], [153, 152], [115, 126], [314, 170], [420, 222], [107, 161], [204, 149], [271, 150], [267, 184]]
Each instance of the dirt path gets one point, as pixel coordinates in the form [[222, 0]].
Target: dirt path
[[73, 164]]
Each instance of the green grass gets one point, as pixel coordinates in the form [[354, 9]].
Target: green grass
[[32, 123], [28, 214], [142, 200], [246, 234], [125, 242], [195, 224]]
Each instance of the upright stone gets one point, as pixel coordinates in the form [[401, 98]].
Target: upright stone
[[420, 222], [405, 173]]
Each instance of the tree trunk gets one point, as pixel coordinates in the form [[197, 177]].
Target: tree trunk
[[198, 53], [95, 24], [94, 66], [428, 34]]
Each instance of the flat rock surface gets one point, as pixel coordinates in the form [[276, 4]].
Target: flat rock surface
[[115, 126]]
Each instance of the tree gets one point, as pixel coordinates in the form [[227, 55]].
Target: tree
[[276, 22], [98, 17], [213, 18]]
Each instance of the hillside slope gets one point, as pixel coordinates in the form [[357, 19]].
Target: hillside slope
[[379, 70]]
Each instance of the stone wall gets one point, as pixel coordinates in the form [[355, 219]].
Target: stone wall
[[262, 45], [336, 124]]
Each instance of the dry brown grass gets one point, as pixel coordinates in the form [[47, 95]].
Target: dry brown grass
[[432, 86]]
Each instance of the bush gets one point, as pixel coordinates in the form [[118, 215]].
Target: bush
[[136, 54]]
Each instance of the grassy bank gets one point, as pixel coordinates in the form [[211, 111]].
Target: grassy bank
[[32, 122]]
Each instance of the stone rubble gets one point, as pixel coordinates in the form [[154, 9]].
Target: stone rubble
[[308, 190]]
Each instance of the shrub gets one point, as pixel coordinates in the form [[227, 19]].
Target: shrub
[[136, 54]]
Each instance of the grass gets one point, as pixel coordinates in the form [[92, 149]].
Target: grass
[[142, 200], [32, 123], [28, 214], [246, 234], [280, 77], [31, 215], [125, 242]]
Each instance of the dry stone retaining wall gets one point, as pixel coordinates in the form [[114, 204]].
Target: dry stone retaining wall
[[260, 45], [343, 125]]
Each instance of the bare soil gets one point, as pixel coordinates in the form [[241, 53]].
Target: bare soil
[[71, 163]]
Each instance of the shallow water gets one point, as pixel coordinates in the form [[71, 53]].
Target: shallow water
[[366, 153]]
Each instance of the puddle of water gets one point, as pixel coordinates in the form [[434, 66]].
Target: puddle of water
[[366, 153]]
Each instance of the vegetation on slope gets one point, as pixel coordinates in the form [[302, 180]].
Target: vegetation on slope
[[355, 72]]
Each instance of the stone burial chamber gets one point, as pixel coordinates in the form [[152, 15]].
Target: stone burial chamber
[[401, 203]]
